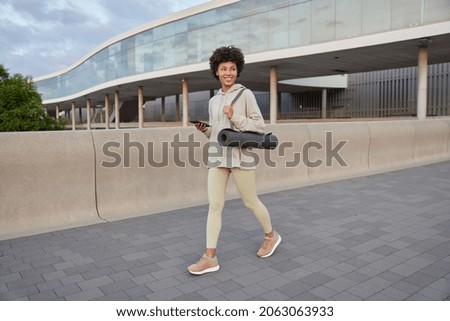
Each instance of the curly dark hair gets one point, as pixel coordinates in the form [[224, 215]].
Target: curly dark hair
[[226, 54]]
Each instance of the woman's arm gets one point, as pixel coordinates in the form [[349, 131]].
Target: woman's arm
[[208, 130]]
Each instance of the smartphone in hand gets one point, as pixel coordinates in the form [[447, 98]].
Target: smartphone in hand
[[195, 122]]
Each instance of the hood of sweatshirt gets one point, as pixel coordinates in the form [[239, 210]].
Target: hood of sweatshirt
[[233, 88]]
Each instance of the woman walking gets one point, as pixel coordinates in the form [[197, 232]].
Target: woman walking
[[226, 64]]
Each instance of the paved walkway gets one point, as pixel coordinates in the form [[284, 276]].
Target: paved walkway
[[381, 237]]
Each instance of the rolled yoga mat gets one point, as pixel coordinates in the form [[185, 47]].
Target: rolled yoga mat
[[232, 138]]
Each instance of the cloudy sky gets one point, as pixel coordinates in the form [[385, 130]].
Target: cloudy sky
[[39, 37]]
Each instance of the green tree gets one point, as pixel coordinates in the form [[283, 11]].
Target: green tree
[[21, 105]]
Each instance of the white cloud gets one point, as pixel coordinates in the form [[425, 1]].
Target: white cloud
[[9, 15], [40, 37]]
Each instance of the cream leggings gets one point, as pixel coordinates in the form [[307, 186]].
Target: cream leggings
[[246, 183]]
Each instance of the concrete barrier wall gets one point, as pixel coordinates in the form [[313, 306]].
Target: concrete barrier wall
[[55, 180], [46, 182], [448, 148], [338, 150], [284, 167], [431, 140], [391, 145], [131, 183]]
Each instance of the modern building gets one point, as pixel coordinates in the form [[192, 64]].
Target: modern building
[[291, 47]]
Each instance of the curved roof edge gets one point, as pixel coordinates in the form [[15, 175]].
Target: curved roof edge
[[275, 56], [130, 79], [213, 4], [393, 36]]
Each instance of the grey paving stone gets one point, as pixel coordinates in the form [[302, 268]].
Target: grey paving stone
[[404, 269], [119, 276], [333, 272], [118, 286], [418, 297], [250, 279], [275, 282], [345, 267], [274, 295], [116, 296], [67, 290], [380, 297], [323, 292], [163, 284], [96, 273], [165, 294], [442, 284], [395, 294], [420, 279], [144, 279], [316, 279], [189, 287], [229, 286], [340, 284], [436, 269], [135, 256], [110, 261], [434, 294], [142, 269], [71, 279], [364, 290], [18, 293], [49, 285], [190, 297], [390, 276], [419, 262], [139, 291], [47, 295], [20, 267], [307, 296], [385, 250], [88, 295], [211, 293], [79, 269], [165, 273], [95, 283], [222, 276], [345, 296], [254, 290], [237, 295], [245, 269], [10, 277], [23, 283]]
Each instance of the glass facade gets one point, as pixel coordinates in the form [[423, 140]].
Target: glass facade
[[253, 25]]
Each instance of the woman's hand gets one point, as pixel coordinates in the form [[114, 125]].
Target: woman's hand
[[201, 127], [228, 110]]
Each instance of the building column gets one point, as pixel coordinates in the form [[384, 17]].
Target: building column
[[80, 114], [73, 116], [101, 114], [117, 109], [324, 103], [107, 107], [57, 112], [141, 106], [88, 113], [273, 94], [422, 83], [185, 102], [177, 107], [163, 109]]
